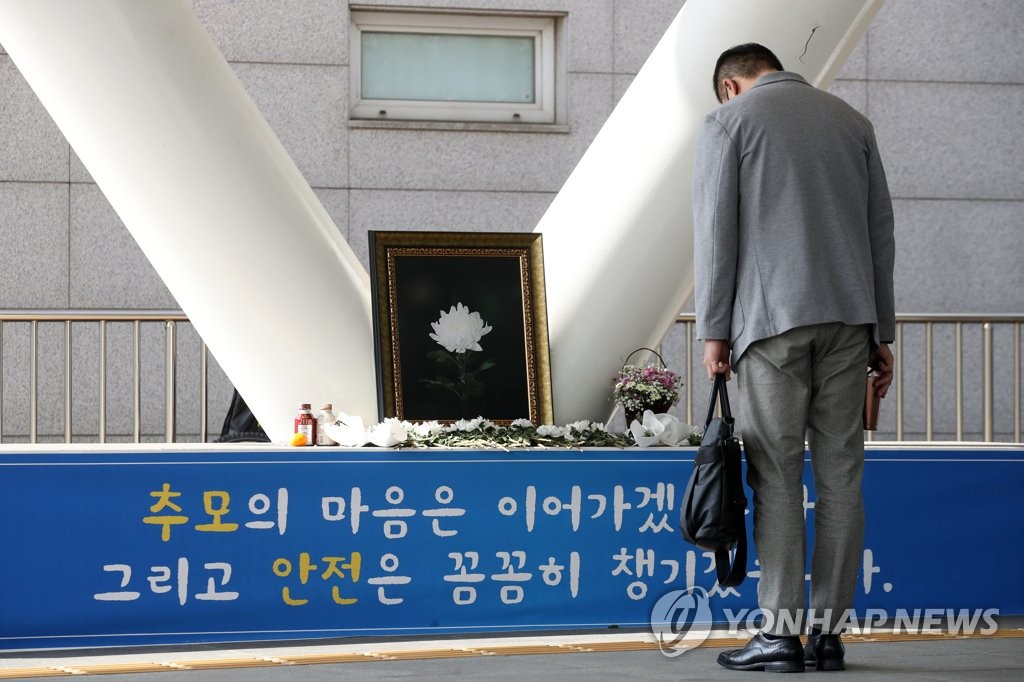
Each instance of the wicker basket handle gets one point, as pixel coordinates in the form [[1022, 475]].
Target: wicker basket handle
[[658, 355]]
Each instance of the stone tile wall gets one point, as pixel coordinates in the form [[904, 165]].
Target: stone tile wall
[[939, 78]]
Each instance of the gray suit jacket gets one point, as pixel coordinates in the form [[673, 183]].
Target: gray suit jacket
[[793, 223]]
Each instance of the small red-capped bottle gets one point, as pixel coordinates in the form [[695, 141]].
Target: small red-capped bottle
[[305, 423]]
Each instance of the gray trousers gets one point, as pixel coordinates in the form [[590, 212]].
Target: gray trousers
[[809, 381]]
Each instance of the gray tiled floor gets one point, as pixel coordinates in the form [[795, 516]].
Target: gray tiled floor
[[973, 659]]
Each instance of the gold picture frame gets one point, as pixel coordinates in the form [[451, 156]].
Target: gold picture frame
[[482, 294]]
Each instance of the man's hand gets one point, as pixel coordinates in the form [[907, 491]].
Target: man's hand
[[716, 358], [882, 362]]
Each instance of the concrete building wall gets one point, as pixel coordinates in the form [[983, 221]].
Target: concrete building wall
[[939, 78]]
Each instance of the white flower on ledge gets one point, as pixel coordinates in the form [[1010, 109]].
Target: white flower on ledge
[[467, 425], [459, 330], [426, 429], [552, 431], [388, 433]]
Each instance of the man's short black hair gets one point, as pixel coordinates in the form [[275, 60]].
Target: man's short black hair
[[745, 61]]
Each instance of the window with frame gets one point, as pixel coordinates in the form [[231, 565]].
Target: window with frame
[[452, 67]]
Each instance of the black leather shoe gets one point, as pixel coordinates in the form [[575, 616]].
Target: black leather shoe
[[825, 652], [782, 655]]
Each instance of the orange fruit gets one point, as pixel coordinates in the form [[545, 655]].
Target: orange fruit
[[298, 439]]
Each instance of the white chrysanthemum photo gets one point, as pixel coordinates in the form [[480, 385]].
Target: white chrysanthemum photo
[[459, 330]]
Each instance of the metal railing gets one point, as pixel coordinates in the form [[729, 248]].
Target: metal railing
[[926, 325], [988, 324], [102, 318]]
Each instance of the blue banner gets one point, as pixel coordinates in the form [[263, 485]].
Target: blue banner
[[109, 548]]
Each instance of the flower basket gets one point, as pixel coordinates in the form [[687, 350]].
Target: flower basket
[[637, 389], [656, 408]]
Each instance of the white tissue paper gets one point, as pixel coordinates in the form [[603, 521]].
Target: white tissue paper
[[350, 432], [659, 429], [347, 431]]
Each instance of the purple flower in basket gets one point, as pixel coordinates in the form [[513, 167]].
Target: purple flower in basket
[[641, 388]]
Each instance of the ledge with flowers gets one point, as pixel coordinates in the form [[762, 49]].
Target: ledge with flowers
[[653, 429], [644, 393]]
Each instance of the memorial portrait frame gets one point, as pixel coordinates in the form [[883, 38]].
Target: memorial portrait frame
[[418, 278]]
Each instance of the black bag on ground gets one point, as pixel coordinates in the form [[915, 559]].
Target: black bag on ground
[[240, 425], [713, 508]]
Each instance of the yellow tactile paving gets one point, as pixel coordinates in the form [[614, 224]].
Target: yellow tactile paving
[[929, 636], [310, 659], [725, 642], [613, 646], [24, 673], [216, 663], [425, 654], [455, 652], [112, 668], [531, 650]]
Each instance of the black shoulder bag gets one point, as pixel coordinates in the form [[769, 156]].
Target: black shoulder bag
[[713, 508]]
